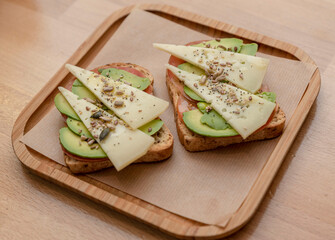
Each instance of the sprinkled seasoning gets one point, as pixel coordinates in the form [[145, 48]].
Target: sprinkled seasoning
[[90, 142], [104, 134], [96, 114], [83, 138], [89, 100], [119, 93], [108, 89], [149, 129], [118, 103], [203, 80], [223, 47], [106, 119]]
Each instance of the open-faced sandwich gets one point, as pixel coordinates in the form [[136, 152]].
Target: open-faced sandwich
[[112, 119], [218, 96]]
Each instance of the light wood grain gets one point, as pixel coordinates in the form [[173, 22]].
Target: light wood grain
[[299, 204]]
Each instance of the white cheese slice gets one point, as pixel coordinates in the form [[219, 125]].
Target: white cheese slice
[[244, 111], [245, 71], [122, 145], [138, 106]]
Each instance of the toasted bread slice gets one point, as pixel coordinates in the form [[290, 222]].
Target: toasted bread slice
[[160, 150], [194, 142]]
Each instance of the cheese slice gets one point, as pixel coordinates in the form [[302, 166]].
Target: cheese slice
[[244, 111], [138, 107], [245, 71], [122, 145]]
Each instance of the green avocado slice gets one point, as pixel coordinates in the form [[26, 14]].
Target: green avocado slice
[[212, 118], [228, 44], [152, 127], [124, 76], [188, 67], [270, 96], [64, 107], [77, 83], [73, 144], [83, 92], [78, 127], [195, 70], [189, 92], [192, 119], [249, 49]]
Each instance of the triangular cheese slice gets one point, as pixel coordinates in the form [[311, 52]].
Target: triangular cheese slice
[[130, 104], [246, 72], [244, 111], [122, 145]]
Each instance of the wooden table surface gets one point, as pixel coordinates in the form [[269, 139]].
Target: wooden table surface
[[38, 36]]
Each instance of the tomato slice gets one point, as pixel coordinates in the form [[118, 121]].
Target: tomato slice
[[184, 106]]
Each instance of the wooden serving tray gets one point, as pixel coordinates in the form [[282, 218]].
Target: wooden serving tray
[[166, 221]]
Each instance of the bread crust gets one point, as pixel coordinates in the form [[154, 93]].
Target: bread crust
[[194, 142], [159, 151]]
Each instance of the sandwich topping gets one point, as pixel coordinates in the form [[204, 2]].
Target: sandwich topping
[[111, 133], [96, 133], [223, 65], [124, 100], [221, 93]]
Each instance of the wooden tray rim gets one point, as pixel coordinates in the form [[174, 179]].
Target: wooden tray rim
[[250, 204]]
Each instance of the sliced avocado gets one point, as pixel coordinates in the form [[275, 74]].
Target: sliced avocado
[[83, 92], [188, 67], [270, 96], [212, 118], [77, 83], [124, 76], [195, 70], [192, 119], [249, 49], [228, 44], [72, 143], [78, 127], [152, 127], [202, 106], [64, 107], [192, 94]]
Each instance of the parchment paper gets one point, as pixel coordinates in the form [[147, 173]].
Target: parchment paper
[[208, 186]]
